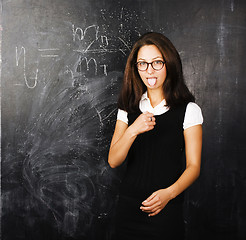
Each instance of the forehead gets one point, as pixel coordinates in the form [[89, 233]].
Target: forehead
[[149, 52]]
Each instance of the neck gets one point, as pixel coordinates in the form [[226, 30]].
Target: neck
[[155, 97]]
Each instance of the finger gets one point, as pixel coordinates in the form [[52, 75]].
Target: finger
[[154, 213], [150, 128], [154, 209], [149, 198], [148, 114], [151, 208], [148, 123], [150, 119], [147, 119], [151, 123], [146, 210], [150, 203], [150, 211]]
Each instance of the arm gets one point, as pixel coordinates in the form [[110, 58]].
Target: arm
[[193, 147], [120, 144], [124, 137]]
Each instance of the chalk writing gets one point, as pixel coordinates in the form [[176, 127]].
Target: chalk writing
[[49, 55], [91, 41], [79, 68], [102, 41], [18, 55], [81, 34], [104, 69]]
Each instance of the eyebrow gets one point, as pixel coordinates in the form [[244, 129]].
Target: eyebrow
[[152, 58]]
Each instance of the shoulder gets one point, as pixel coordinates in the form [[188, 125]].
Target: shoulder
[[193, 115], [193, 107], [126, 117], [122, 116]]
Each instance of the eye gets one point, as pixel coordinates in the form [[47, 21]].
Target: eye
[[158, 62], [142, 63]]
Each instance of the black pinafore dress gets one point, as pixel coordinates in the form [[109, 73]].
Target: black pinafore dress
[[154, 161]]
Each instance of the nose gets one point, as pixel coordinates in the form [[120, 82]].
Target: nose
[[150, 69]]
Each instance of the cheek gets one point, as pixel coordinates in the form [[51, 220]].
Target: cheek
[[163, 74], [141, 74]]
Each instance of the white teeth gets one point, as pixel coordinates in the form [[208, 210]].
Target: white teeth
[[151, 81]]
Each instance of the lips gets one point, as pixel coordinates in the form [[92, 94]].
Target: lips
[[151, 81]]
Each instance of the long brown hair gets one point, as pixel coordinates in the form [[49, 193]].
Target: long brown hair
[[174, 88]]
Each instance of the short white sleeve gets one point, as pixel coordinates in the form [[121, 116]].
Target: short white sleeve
[[193, 115], [122, 115]]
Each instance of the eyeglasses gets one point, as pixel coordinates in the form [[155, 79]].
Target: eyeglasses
[[156, 65]]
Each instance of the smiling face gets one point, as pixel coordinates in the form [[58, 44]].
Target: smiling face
[[152, 79]]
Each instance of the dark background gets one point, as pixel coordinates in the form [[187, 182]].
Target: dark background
[[62, 64]]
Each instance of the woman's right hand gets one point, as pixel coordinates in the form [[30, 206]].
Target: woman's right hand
[[124, 136], [144, 123]]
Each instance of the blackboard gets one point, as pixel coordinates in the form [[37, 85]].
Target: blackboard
[[62, 65]]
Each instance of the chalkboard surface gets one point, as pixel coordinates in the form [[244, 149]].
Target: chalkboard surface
[[62, 65]]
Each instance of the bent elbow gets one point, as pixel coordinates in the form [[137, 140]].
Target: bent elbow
[[111, 164], [198, 171], [198, 175]]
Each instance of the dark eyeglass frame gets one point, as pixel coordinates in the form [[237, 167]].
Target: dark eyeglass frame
[[150, 63]]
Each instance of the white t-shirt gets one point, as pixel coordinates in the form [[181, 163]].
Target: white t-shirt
[[193, 113]]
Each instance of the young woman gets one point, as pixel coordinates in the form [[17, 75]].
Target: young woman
[[157, 122]]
